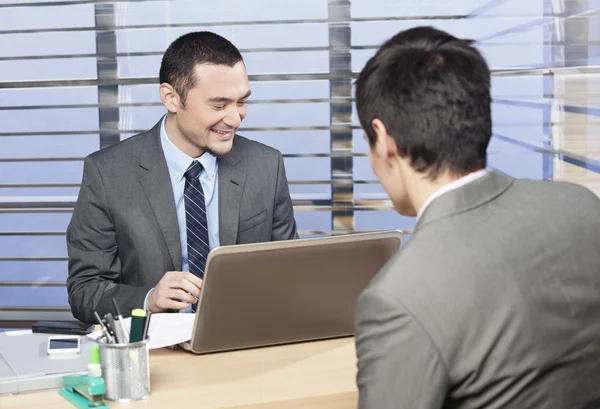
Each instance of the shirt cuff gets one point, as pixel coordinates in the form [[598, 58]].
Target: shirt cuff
[[146, 299]]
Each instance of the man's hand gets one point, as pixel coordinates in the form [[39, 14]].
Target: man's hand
[[177, 290]]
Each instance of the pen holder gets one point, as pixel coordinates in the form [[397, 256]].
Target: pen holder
[[126, 371]]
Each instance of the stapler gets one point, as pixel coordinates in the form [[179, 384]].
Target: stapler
[[85, 392]]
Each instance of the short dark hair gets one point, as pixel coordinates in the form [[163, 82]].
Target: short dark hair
[[191, 49], [432, 92]]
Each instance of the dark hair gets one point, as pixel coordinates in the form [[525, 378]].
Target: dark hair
[[191, 49], [432, 92]]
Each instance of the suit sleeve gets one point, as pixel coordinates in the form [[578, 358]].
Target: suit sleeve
[[284, 224], [94, 265], [399, 367]]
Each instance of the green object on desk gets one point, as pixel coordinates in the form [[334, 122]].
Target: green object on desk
[[95, 355], [85, 392], [138, 323]]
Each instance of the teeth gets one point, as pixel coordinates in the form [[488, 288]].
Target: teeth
[[220, 132]]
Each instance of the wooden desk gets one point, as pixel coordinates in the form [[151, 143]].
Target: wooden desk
[[308, 375]]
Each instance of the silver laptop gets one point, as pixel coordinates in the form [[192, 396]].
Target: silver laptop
[[287, 291], [25, 365]]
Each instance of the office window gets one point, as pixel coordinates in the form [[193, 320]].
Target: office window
[[76, 76]]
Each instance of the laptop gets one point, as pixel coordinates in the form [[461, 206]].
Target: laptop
[[25, 365], [265, 294]]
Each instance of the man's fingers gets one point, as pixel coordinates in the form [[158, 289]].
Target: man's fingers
[[180, 295], [185, 281], [185, 285], [178, 290], [194, 279], [169, 304]]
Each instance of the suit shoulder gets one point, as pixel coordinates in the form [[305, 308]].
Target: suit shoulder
[[410, 263], [552, 186], [570, 194], [423, 269], [119, 151], [249, 146]]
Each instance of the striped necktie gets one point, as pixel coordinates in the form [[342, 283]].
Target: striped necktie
[[195, 218]]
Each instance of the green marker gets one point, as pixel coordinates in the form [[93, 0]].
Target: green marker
[[94, 368], [138, 322]]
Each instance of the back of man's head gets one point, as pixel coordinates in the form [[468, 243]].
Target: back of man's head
[[189, 50], [432, 93]]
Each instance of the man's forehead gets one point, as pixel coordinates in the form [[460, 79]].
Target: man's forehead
[[228, 95], [221, 80], [220, 70]]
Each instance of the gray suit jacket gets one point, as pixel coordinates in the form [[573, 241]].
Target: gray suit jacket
[[124, 235], [493, 303]]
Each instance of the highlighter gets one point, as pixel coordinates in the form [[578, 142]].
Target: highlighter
[[138, 323], [94, 368]]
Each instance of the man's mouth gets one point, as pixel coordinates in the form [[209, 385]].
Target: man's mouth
[[221, 132]]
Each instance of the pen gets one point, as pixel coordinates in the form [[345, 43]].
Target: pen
[[138, 321], [147, 326], [104, 329], [124, 336], [112, 328]]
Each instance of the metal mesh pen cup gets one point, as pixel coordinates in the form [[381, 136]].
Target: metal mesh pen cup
[[126, 371]]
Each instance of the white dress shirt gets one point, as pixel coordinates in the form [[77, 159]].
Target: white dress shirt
[[177, 163], [449, 187]]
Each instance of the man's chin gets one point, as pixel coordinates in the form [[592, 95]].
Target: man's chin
[[221, 151]]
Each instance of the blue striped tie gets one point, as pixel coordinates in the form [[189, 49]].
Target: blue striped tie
[[195, 218]]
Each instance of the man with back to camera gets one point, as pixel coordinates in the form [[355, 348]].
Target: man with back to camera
[[151, 207], [495, 300]]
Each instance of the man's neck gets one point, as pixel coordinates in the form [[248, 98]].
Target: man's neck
[[425, 188], [428, 190], [175, 135]]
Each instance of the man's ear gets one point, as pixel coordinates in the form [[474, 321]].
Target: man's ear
[[169, 97], [385, 145]]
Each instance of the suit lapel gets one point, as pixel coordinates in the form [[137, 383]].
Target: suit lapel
[[469, 196], [155, 180], [232, 179]]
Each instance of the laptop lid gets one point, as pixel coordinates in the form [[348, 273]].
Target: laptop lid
[[286, 291]]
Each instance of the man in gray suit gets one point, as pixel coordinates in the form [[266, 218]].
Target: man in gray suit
[[495, 300], [151, 207]]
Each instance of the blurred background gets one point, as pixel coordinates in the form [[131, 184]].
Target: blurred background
[[79, 75]]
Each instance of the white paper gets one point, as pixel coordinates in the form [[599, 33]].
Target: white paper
[[23, 332], [165, 329]]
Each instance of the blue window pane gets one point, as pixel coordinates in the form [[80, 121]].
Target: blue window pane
[[34, 271], [21, 296]]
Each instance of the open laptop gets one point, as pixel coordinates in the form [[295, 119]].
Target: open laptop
[[25, 365], [286, 291]]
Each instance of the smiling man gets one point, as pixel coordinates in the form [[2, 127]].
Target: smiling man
[[151, 207]]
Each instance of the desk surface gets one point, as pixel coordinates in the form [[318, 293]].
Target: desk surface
[[307, 375]]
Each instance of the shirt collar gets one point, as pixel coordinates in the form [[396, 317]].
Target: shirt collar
[[449, 187], [178, 162]]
